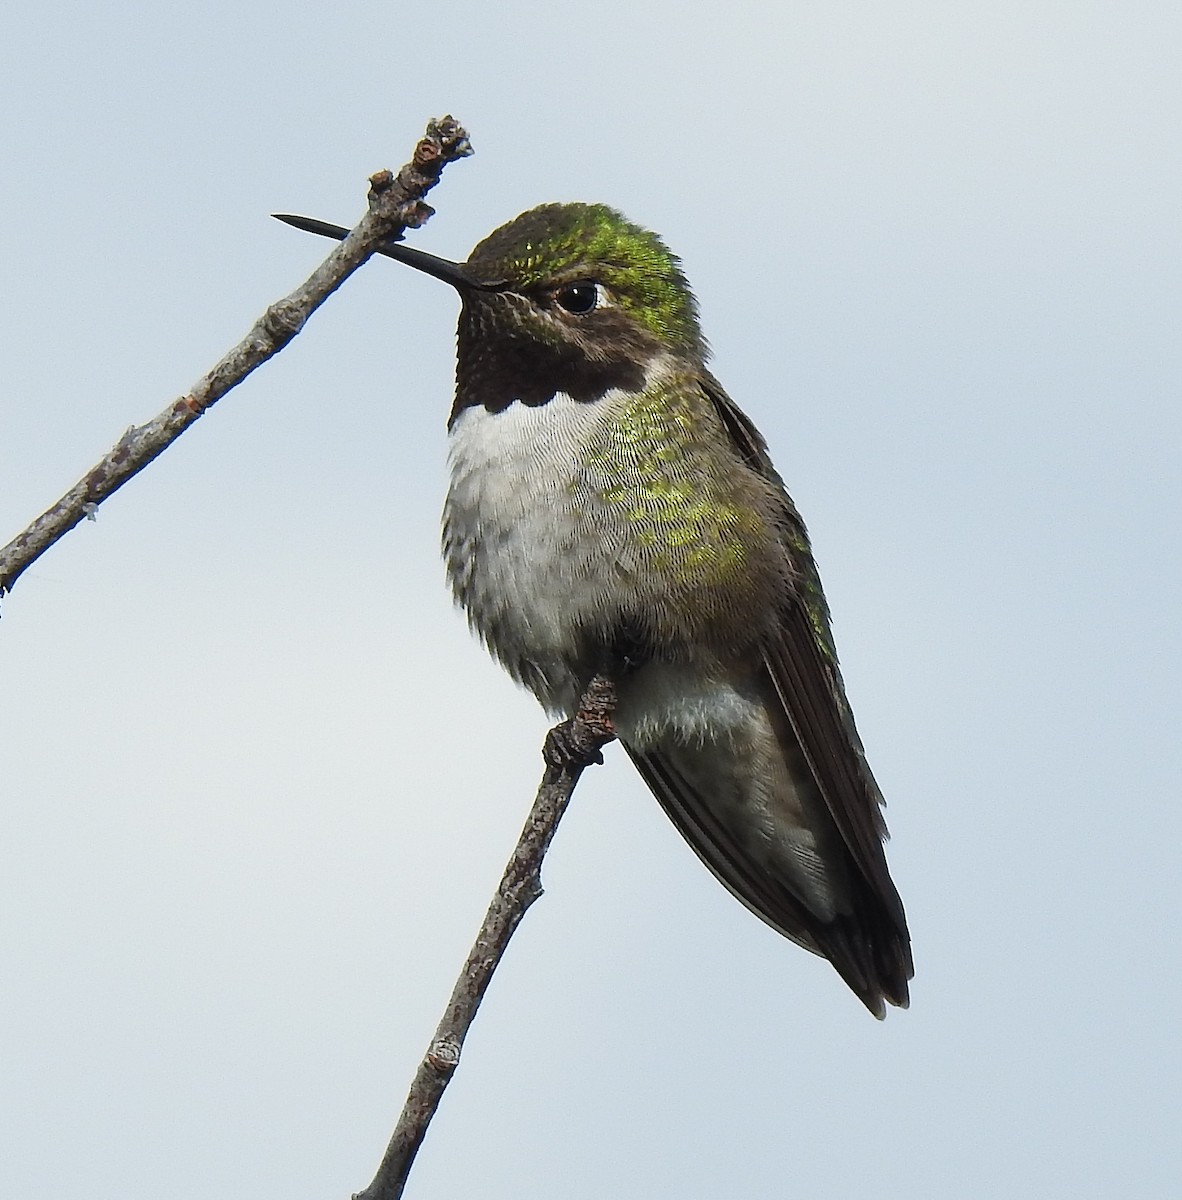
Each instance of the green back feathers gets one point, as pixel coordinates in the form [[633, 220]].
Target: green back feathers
[[565, 242]]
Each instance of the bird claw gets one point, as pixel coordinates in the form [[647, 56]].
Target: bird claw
[[577, 743], [567, 748]]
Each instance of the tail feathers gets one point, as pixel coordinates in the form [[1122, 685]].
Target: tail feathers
[[875, 962], [861, 937]]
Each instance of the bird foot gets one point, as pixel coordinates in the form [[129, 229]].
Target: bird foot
[[579, 742]]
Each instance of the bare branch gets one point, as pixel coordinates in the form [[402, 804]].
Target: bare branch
[[570, 747], [395, 204]]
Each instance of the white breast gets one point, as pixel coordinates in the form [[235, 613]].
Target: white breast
[[525, 557]]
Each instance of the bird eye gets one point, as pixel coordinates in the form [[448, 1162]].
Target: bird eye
[[579, 297]]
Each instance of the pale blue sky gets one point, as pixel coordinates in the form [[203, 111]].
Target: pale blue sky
[[258, 783]]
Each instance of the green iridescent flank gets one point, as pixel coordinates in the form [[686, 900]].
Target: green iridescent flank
[[697, 528], [594, 241]]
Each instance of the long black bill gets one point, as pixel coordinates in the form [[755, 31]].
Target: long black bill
[[450, 272]]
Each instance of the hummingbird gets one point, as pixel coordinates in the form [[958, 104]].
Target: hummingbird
[[612, 511]]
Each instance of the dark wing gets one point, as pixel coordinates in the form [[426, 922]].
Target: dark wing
[[869, 945], [849, 940]]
